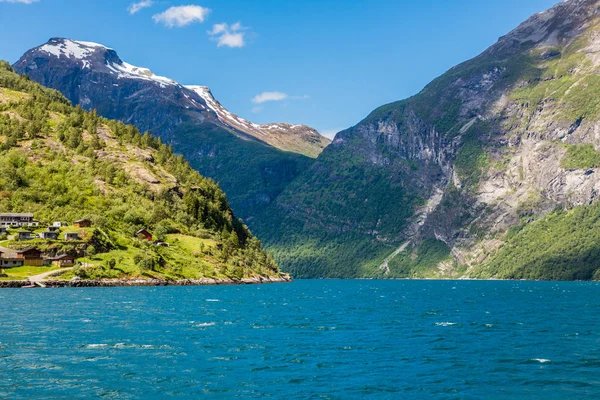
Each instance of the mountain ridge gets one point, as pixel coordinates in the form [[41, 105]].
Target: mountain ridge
[[481, 150], [94, 56], [250, 170], [284, 136]]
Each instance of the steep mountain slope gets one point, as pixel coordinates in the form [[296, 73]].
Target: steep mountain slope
[[480, 160], [251, 162], [64, 164], [300, 139]]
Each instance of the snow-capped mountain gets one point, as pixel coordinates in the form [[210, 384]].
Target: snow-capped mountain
[[85, 52], [96, 59], [297, 138], [251, 162]]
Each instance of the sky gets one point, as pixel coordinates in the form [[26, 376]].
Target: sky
[[323, 63]]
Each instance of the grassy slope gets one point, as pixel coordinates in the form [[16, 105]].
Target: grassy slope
[[305, 148], [64, 164], [22, 273]]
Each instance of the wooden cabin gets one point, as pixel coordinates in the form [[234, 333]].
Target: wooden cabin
[[11, 262], [9, 259], [31, 256], [17, 219], [144, 235], [83, 223], [62, 260]]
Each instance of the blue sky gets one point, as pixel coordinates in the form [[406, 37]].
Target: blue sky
[[324, 63]]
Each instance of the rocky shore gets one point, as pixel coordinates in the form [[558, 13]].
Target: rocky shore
[[143, 282]]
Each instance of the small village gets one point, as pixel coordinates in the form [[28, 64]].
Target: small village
[[22, 227]]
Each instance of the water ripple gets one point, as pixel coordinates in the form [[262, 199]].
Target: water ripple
[[309, 339]]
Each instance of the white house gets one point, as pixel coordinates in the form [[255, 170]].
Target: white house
[[17, 219]]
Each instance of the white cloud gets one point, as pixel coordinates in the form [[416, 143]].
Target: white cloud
[[269, 96], [140, 5], [218, 28], [276, 96], [181, 16], [231, 40], [229, 36], [257, 109], [19, 1]]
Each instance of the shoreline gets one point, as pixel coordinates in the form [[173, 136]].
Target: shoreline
[[139, 282]]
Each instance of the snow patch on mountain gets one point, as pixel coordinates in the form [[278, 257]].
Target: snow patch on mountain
[[241, 124], [126, 70], [70, 48], [223, 114], [84, 52]]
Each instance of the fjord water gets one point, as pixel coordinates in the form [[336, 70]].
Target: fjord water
[[307, 339]]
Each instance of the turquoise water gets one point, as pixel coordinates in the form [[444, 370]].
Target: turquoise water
[[307, 339]]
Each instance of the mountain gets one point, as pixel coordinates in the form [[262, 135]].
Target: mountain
[[63, 164], [300, 139], [492, 170], [251, 162]]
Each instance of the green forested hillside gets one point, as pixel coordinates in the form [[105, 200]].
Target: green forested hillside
[[564, 245], [326, 224], [251, 173], [62, 164]]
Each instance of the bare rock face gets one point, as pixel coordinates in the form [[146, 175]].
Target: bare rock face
[[479, 150]]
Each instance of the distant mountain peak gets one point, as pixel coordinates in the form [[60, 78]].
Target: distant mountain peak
[[298, 138], [71, 48], [97, 65], [564, 21], [95, 56]]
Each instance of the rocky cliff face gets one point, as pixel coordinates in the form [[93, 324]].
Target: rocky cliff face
[[433, 183], [217, 142]]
